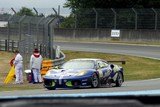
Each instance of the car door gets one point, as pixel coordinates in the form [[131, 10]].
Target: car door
[[102, 68]]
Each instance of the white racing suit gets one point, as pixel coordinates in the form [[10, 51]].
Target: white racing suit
[[35, 66], [18, 62]]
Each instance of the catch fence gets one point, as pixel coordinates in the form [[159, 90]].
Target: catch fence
[[26, 33], [129, 18]]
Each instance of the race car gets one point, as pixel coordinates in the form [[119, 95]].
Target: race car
[[83, 72]]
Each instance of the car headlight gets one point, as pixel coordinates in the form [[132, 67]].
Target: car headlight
[[81, 73]]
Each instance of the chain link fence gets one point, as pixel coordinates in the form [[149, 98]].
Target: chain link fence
[[130, 18], [29, 32]]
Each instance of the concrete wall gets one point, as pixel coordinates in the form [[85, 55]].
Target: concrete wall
[[102, 34]]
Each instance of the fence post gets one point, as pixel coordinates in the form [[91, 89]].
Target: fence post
[[50, 32], [6, 45], [96, 17], [135, 18], [13, 10], [75, 26], [37, 26], [20, 21], [115, 17], [8, 31], [35, 11], [155, 27], [59, 9], [12, 45], [55, 11], [57, 15]]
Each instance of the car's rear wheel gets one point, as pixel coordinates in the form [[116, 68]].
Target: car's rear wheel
[[95, 81], [51, 88], [119, 80]]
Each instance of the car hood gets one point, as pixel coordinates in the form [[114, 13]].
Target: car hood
[[66, 73]]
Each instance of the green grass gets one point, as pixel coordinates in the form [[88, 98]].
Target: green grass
[[136, 68], [25, 86]]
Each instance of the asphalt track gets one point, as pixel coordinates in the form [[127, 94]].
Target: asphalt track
[[150, 51], [145, 87]]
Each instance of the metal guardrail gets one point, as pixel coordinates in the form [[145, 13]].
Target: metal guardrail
[[48, 64], [60, 61]]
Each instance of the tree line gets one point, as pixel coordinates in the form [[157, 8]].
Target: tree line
[[76, 4]]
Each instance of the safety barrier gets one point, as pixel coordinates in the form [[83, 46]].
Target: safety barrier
[[48, 64]]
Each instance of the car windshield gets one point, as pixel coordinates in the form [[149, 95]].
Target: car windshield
[[78, 64]]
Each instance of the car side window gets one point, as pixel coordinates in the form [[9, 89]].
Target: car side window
[[101, 64]]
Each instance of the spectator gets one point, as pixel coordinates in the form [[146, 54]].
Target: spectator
[[35, 66], [18, 63]]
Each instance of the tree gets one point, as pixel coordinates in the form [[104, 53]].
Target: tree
[[25, 11], [88, 18], [149, 3], [68, 22], [77, 4]]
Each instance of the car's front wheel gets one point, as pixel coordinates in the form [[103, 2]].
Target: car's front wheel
[[119, 80], [95, 81]]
